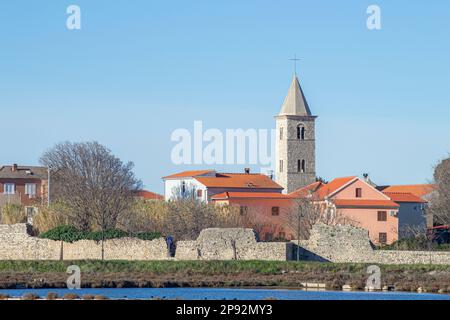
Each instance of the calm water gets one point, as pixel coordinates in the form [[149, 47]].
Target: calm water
[[232, 294]]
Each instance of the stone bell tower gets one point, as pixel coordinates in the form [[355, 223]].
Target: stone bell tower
[[295, 141]]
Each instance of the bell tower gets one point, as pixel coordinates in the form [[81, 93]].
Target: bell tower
[[295, 141]]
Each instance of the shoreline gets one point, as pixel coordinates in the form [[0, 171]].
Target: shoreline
[[223, 274]]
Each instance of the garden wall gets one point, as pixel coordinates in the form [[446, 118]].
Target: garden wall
[[232, 244], [17, 244], [344, 243]]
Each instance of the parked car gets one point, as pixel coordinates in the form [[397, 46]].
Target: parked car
[[439, 234]]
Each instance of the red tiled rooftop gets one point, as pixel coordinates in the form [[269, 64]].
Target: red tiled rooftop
[[306, 190], [148, 195], [419, 190], [188, 174], [404, 197], [333, 186], [239, 180]]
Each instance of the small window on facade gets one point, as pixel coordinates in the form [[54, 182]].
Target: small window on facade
[[358, 193], [382, 215], [281, 165], [183, 187], [382, 237], [243, 210], [281, 133], [30, 189], [199, 193], [275, 211], [393, 213], [9, 188]]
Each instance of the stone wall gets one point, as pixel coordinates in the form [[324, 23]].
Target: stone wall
[[344, 243], [17, 244], [232, 244]]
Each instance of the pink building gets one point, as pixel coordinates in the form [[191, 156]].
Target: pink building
[[358, 203]]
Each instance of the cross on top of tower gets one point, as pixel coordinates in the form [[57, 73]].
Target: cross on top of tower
[[295, 59]]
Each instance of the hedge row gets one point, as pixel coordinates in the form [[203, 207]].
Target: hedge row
[[70, 234]]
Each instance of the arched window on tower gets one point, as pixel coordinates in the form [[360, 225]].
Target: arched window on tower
[[302, 169], [300, 132]]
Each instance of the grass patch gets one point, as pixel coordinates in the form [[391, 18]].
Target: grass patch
[[205, 267]]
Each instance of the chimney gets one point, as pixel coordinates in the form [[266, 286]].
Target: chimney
[[366, 176], [14, 167], [247, 170]]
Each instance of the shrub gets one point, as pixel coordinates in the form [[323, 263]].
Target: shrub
[[12, 214], [71, 296], [30, 296], [4, 296], [51, 296], [88, 297], [100, 297], [63, 233], [418, 243], [70, 234]]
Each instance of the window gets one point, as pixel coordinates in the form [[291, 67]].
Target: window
[[281, 165], [300, 165], [9, 188], [301, 133], [393, 213], [183, 187], [243, 210], [281, 133], [382, 237], [275, 211], [30, 189], [358, 193], [382, 215], [199, 193]]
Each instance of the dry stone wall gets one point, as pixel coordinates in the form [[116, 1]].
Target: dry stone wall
[[17, 244], [232, 244], [344, 243]]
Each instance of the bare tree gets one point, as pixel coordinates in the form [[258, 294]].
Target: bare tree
[[440, 202], [95, 185], [307, 212]]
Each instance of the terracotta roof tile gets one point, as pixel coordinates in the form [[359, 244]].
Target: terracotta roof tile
[[148, 195], [306, 190], [404, 197], [188, 174], [239, 180], [333, 186], [419, 190]]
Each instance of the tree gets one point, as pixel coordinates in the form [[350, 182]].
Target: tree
[[306, 212], [94, 185], [440, 202]]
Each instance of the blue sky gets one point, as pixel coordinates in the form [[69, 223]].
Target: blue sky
[[137, 70]]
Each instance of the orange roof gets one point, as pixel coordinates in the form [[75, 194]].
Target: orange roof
[[333, 186], [365, 203], [306, 190], [188, 174], [404, 197], [148, 195], [239, 180], [247, 195], [419, 190]]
